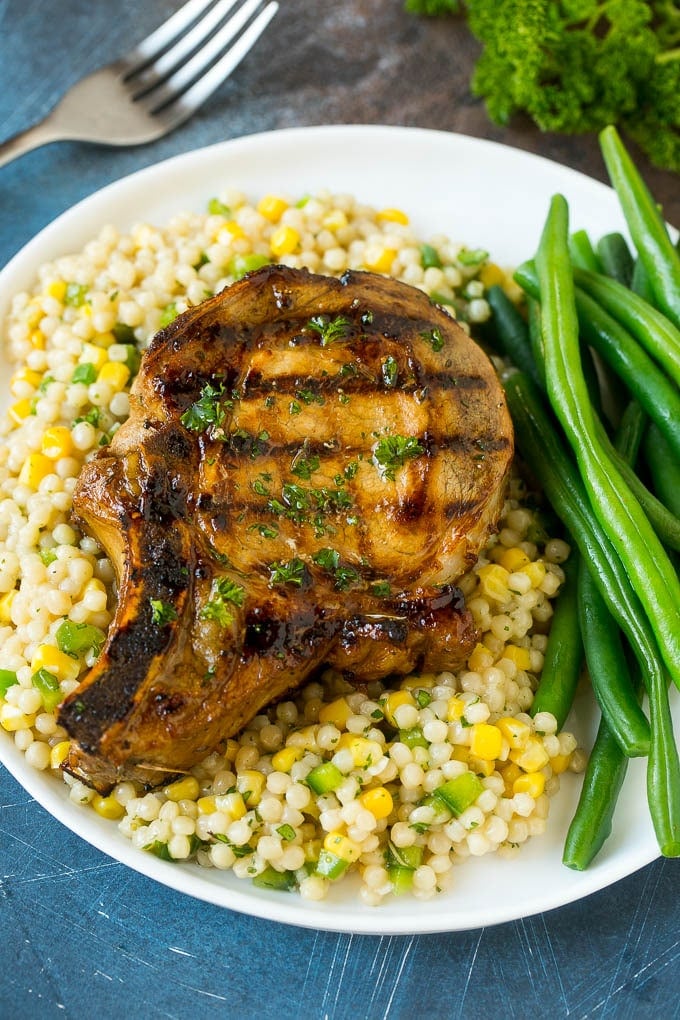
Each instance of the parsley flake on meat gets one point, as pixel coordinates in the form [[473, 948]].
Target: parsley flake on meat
[[393, 452]]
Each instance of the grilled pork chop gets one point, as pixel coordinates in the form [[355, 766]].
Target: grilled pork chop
[[308, 466]]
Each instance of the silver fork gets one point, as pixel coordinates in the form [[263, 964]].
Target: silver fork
[[159, 84]]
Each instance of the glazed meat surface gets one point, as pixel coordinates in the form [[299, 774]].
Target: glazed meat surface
[[309, 465]]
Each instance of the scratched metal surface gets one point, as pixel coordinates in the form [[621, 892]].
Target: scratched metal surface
[[80, 934]]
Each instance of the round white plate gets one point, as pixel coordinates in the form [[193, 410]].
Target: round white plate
[[474, 191]]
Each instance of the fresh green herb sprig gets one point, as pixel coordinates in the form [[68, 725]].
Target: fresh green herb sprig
[[162, 612], [330, 330], [290, 572], [392, 452], [224, 592], [208, 412]]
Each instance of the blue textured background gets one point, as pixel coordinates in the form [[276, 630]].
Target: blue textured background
[[80, 934]]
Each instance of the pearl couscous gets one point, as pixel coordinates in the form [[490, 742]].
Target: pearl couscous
[[397, 783]]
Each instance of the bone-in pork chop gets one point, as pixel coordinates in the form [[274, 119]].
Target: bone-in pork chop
[[309, 465]]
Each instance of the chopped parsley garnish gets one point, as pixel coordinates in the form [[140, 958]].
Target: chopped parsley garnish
[[45, 383], [265, 530], [351, 469], [92, 417], [294, 407], [380, 589], [162, 612], [85, 373], [223, 591], [393, 451], [292, 572], [304, 467], [434, 338], [259, 486], [367, 317], [330, 330], [389, 369], [310, 397], [329, 560], [207, 412]]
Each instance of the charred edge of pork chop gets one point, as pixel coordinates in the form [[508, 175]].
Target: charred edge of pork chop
[[160, 697]]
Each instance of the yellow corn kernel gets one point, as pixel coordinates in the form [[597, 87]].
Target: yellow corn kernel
[[560, 763], [93, 354], [392, 216], [335, 220], [37, 339], [13, 719], [336, 712], [461, 752], [57, 289], [417, 682], [364, 752], [55, 661], [514, 559], [481, 766], [510, 772], [312, 849], [36, 467], [186, 788], [115, 373], [342, 846], [394, 701], [272, 207], [515, 731], [535, 572], [230, 231], [493, 581], [532, 783], [486, 741], [480, 657], [491, 275], [20, 410], [231, 750], [24, 376], [532, 757], [379, 260], [284, 241], [206, 805], [57, 442], [107, 807], [6, 601], [520, 656], [284, 759], [304, 738], [59, 753], [455, 709], [105, 339], [250, 785], [378, 801], [233, 804]]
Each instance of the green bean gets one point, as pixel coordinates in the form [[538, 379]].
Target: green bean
[[582, 252], [609, 674], [511, 330], [563, 656], [657, 394], [615, 258], [646, 225], [592, 822], [663, 467], [650, 328], [629, 530], [543, 451]]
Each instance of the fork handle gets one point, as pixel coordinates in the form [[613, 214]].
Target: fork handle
[[32, 138]]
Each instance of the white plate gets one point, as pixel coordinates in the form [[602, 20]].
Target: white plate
[[474, 191]]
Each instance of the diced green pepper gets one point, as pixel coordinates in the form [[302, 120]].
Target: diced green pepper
[[8, 678], [79, 637], [49, 688], [123, 333], [324, 778], [217, 208], [429, 257], [168, 315], [270, 878], [85, 373], [239, 265], [132, 358], [401, 879], [459, 793], [413, 737], [329, 865], [76, 294], [409, 857]]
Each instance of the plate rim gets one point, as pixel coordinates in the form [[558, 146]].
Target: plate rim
[[339, 918]]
